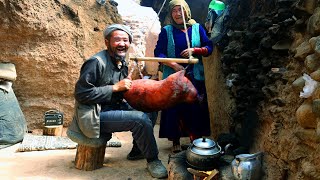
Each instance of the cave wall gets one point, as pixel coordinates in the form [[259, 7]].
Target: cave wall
[[270, 48], [48, 41]]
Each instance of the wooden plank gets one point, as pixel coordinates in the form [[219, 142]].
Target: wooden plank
[[53, 130], [157, 59], [197, 173], [213, 175]]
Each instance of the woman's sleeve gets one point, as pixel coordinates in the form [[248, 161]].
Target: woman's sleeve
[[161, 47], [205, 41]]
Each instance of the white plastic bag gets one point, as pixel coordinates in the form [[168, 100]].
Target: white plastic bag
[[309, 86]]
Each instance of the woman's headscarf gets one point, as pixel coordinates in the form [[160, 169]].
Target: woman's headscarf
[[189, 20]]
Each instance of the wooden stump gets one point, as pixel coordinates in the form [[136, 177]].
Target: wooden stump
[[89, 158], [53, 130]]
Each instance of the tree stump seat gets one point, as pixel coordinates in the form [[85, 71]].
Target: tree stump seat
[[53, 130], [90, 151]]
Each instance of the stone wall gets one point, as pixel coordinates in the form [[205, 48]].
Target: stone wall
[[267, 54]]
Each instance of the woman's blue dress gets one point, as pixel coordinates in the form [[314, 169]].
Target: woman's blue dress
[[185, 120]]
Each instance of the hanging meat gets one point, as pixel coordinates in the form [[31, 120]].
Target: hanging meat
[[150, 95]]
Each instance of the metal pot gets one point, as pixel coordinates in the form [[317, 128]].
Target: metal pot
[[204, 154], [247, 166]]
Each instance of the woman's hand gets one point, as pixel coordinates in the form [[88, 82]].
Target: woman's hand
[[123, 85], [185, 53]]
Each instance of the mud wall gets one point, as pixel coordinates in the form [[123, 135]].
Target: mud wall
[[48, 41]]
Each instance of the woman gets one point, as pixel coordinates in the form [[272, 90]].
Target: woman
[[184, 120]]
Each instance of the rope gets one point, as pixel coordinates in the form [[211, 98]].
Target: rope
[[135, 61], [186, 32], [187, 37], [164, 2]]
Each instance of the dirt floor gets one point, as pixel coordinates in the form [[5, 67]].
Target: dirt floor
[[58, 164]]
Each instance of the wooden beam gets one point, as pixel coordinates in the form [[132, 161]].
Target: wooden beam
[[157, 59]]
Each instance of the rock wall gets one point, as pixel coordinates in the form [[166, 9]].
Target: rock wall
[[299, 132], [48, 41], [145, 26], [268, 52], [220, 101]]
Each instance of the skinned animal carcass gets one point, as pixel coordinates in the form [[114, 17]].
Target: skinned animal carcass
[[150, 95]]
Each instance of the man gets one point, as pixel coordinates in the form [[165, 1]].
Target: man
[[104, 84]]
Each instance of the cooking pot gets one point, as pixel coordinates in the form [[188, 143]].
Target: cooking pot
[[247, 166], [204, 154]]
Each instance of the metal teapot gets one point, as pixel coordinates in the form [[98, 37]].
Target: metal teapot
[[204, 154], [247, 166]]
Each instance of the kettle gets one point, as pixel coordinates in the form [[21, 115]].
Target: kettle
[[247, 166], [204, 154]]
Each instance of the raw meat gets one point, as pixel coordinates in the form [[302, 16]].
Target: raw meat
[[150, 95]]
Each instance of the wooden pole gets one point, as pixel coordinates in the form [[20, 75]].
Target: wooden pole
[[157, 59]]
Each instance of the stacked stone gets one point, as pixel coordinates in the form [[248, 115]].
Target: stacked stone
[[264, 57], [308, 114], [253, 61]]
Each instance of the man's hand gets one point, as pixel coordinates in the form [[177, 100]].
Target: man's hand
[[123, 85]]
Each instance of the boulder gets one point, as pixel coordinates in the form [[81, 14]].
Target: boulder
[[305, 117], [313, 24], [303, 50]]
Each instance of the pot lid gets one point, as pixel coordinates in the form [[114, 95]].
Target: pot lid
[[204, 143]]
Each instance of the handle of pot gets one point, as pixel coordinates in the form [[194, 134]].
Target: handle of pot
[[225, 148], [255, 155], [252, 156]]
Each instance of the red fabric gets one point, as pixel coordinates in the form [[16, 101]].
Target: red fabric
[[200, 51]]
